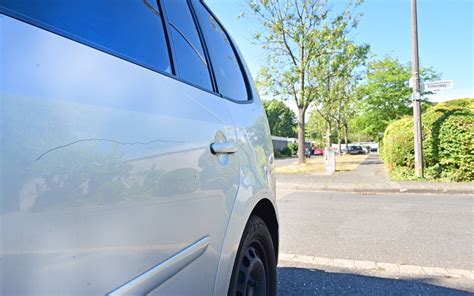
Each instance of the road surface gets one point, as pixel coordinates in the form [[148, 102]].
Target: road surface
[[423, 233]]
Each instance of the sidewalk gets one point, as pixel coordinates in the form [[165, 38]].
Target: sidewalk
[[370, 176]]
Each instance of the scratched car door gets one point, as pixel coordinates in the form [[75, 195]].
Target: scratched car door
[[107, 172]]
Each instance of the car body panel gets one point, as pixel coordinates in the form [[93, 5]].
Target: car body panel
[[106, 169], [257, 178]]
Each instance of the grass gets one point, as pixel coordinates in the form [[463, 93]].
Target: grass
[[403, 174], [316, 164]]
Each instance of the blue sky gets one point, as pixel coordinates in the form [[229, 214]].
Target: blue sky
[[445, 29]]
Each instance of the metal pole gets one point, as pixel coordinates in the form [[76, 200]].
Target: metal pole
[[416, 94]]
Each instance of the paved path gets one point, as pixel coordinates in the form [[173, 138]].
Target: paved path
[[371, 171], [370, 176], [339, 238]]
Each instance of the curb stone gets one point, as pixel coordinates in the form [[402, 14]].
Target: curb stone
[[374, 190], [402, 269]]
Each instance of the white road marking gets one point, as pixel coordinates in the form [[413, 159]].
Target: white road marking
[[402, 269]]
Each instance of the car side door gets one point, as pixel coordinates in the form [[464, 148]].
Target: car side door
[[112, 186]]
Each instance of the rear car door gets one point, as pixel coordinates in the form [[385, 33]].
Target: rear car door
[[108, 183], [255, 152]]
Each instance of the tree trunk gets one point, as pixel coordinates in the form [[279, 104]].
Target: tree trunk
[[329, 135], [339, 140], [301, 108], [338, 132], [345, 137], [301, 156]]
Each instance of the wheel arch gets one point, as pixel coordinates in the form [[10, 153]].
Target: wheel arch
[[265, 210], [262, 205]]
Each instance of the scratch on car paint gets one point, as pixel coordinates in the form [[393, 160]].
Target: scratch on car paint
[[106, 140]]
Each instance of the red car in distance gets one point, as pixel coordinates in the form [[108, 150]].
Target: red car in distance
[[318, 151]]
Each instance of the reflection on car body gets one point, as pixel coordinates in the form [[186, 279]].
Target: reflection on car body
[[107, 119]]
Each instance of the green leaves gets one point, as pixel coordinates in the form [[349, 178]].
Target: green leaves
[[297, 35], [448, 142], [387, 96], [309, 57], [282, 120]]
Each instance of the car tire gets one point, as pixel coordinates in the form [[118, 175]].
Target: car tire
[[254, 271]]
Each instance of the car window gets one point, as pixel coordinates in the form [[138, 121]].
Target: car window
[[189, 57], [227, 71], [136, 35]]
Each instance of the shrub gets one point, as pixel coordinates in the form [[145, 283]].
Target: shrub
[[293, 148], [448, 147], [277, 154], [286, 151], [398, 143], [283, 153]]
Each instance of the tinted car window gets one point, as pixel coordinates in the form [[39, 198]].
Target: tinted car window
[[128, 28], [230, 81], [190, 61]]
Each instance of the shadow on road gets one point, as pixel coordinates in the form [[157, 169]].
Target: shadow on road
[[303, 281]]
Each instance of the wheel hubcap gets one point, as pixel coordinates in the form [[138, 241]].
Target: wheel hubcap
[[252, 276]]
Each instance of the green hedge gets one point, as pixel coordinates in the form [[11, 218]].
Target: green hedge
[[448, 145]]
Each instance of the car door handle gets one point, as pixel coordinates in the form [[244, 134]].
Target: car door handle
[[223, 148]]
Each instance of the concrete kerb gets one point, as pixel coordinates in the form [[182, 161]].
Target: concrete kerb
[[372, 190], [382, 267]]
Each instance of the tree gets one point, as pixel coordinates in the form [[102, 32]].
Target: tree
[[335, 79], [315, 128], [346, 95], [295, 35], [349, 111], [282, 120], [349, 97], [387, 95]]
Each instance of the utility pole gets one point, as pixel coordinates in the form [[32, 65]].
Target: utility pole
[[416, 93]]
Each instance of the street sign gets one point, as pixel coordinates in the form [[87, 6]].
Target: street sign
[[411, 82], [416, 96], [438, 85]]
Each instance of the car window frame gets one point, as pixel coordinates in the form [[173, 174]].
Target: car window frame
[[243, 71], [169, 44], [73, 37], [93, 45]]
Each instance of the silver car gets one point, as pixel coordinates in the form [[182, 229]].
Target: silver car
[[136, 157]]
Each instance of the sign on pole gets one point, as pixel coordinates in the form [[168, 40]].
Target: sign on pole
[[435, 86], [416, 96], [411, 82]]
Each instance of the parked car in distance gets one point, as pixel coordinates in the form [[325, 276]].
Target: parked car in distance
[[373, 149], [355, 149], [139, 159], [318, 151]]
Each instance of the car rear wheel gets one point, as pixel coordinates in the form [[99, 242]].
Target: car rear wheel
[[254, 271]]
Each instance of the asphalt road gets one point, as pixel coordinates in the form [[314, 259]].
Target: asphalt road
[[303, 281], [415, 229]]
